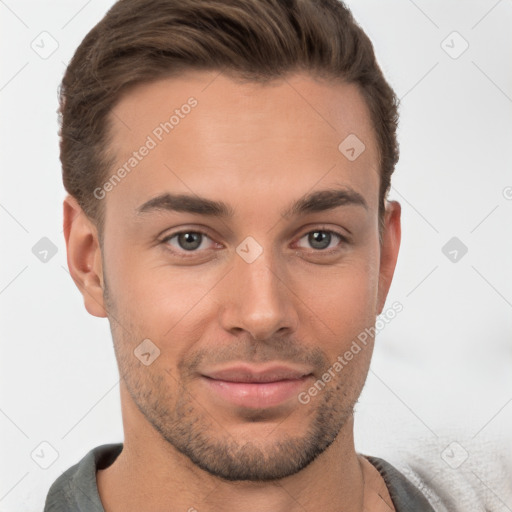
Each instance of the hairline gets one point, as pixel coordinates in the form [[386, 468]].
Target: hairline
[[108, 157]]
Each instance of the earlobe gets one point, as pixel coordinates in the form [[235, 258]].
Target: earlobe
[[84, 256], [391, 238]]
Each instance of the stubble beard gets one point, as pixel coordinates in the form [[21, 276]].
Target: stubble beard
[[193, 432]]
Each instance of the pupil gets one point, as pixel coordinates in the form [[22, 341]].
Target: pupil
[[320, 239], [189, 241]]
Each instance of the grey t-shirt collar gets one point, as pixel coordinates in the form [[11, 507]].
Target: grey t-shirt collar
[[76, 490]]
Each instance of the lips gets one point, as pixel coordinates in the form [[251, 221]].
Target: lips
[[257, 375], [256, 387]]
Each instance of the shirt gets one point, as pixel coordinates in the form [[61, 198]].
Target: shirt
[[76, 490]]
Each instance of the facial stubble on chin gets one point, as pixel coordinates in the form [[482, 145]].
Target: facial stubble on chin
[[195, 433]]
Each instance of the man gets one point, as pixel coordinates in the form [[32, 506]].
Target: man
[[227, 164]]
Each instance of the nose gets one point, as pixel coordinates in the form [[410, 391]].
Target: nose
[[257, 300]]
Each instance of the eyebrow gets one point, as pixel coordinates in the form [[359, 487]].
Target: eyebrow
[[318, 201]]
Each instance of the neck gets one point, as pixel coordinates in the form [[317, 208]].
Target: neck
[[150, 474]]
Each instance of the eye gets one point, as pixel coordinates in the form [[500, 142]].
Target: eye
[[191, 242], [322, 239], [188, 241]]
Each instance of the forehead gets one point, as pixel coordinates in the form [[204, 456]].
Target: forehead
[[207, 134]]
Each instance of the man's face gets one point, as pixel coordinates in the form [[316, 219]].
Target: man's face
[[265, 292]]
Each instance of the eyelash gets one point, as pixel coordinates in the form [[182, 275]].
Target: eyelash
[[188, 254]]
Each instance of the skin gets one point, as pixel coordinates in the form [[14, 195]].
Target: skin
[[257, 148]]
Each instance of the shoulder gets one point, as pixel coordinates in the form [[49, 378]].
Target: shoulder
[[404, 494], [458, 476], [78, 483]]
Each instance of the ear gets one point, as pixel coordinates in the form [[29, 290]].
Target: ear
[[390, 246], [84, 256]]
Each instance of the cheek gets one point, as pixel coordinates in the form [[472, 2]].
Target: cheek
[[341, 303], [172, 305], [169, 305], [346, 292]]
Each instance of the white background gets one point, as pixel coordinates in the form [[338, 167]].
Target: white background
[[441, 372]]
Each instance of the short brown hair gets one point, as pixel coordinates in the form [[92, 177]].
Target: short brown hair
[[142, 41]]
